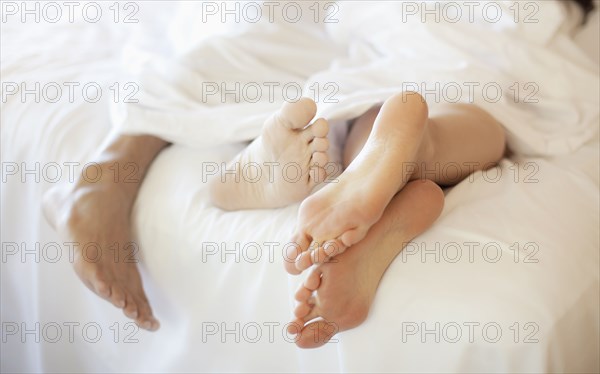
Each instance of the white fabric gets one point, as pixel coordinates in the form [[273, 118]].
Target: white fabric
[[191, 289], [500, 65]]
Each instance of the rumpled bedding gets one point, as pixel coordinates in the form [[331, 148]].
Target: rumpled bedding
[[359, 54]]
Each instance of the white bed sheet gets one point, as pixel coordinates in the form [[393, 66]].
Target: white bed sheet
[[173, 219]]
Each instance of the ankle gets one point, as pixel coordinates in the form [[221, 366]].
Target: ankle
[[100, 189]]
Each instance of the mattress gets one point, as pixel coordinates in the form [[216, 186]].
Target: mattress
[[505, 281]]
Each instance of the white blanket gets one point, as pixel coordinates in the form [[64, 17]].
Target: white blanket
[[497, 56]]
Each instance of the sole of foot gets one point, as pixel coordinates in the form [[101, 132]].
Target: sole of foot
[[337, 295], [280, 167]]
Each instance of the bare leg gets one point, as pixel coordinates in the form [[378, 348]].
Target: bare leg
[[97, 217], [341, 292], [386, 148], [458, 139]]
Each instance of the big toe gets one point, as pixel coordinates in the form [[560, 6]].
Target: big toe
[[316, 334], [289, 261], [145, 317], [353, 236], [296, 115], [292, 250]]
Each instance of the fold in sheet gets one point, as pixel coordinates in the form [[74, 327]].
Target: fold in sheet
[[517, 62]]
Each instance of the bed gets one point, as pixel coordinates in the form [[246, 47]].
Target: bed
[[505, 281]]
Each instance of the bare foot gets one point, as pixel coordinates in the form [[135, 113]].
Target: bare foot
[[340, 293], [340, 214], [96, 217], [280, 167]]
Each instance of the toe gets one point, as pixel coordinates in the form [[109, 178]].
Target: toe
[[299, 322], [319, 128], [316, 176], [117, 296], [317, 172], [318, 256], [319, 145], [145, 319], [292, 250], [296, 115], [295, 326], [99, 282], [303, 294], [334, 248], [313, 281], [351, 237], [316, 334], [302, 310], [304, 261], [318, 159], [131, 309], [103, 289], [330, 249]]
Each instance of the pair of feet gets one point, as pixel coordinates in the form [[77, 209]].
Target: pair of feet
[[359, 210]]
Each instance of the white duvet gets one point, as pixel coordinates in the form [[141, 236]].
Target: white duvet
[[531, 275], [360, 53]]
